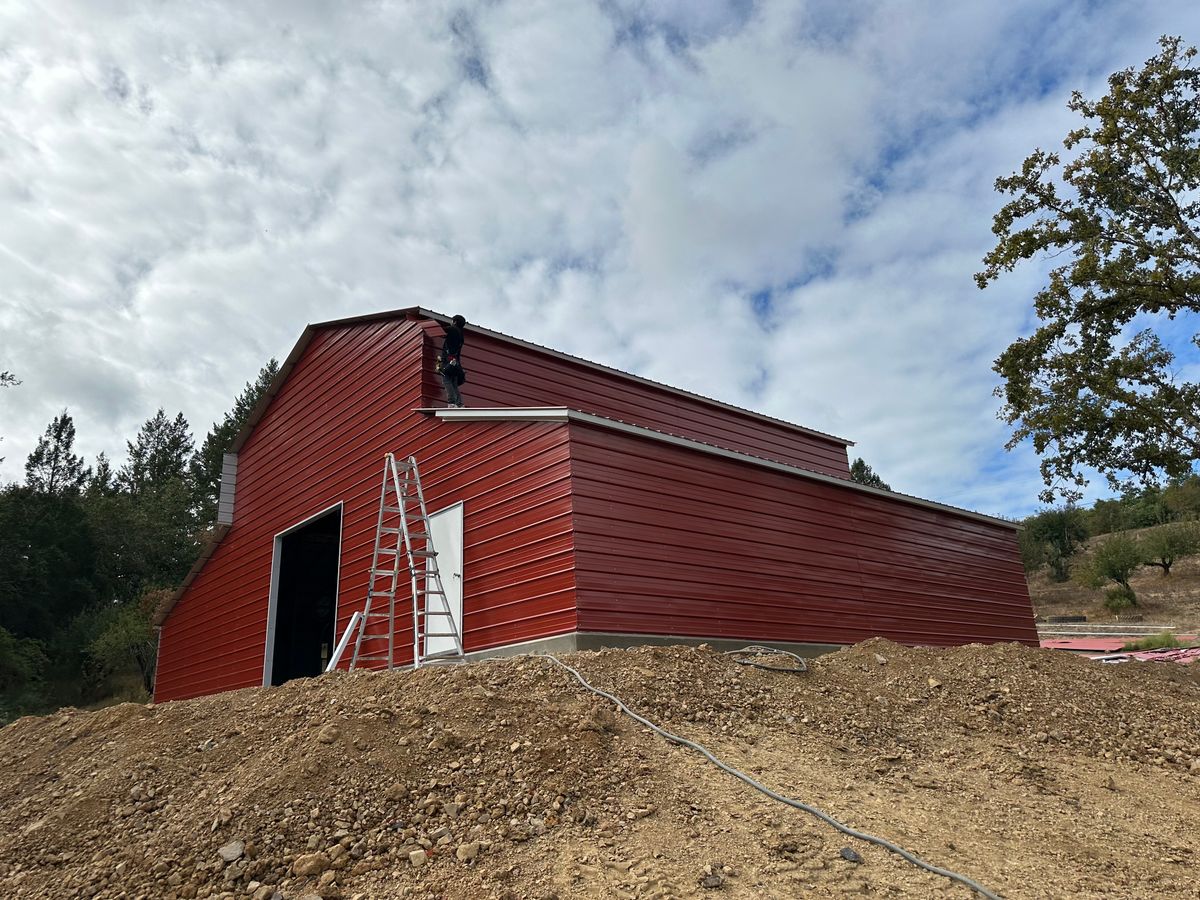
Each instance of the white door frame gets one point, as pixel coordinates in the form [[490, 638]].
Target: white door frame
[[273, 597], [448, 577]]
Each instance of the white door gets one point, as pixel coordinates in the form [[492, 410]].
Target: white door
[[446, 528]]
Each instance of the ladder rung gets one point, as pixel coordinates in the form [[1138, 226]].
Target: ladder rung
[[430, 591], [433, 634], [377, 614], [380, 658], [382, 593], [443, 654], [393, 509], [391, 550], [423, 553], [388, 530], [384, 572]]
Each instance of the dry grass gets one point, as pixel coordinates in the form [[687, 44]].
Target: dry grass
[[1172, 600]]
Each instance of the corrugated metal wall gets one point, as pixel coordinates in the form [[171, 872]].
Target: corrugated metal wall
[[322, 442], [505, 374], [658, 529], [672, 541]]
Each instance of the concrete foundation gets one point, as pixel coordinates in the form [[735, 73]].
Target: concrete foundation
[[596, 640]]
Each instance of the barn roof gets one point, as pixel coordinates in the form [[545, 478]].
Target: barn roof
[[563, 414], [417, 312]]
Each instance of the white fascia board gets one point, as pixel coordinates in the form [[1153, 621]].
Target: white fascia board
[[561, 414], [503, 414]]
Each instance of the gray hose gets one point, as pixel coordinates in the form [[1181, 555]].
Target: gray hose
[[812, 810]]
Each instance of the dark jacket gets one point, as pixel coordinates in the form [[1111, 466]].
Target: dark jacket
[[451, 362]]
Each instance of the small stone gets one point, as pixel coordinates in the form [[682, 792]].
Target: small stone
[[417, 858], [516, 745], [396, 792], [712, 881], [467, 852], [882, 660], [328, 734], [1194, 768], [310, 864], [231, 851], [934, 683], [850, 855], [266, 892]]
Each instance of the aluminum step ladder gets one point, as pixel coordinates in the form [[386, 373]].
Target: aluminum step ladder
[[402, 531]]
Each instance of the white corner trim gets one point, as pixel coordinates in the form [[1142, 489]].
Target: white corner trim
[[561, 414]]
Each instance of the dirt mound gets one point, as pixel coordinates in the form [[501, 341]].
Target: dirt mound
[[1037, 774]]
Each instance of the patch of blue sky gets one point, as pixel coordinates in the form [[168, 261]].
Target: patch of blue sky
[[711, 146], [469, 50], [678, 25], [763, 299]]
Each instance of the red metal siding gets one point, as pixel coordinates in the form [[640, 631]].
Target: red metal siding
[[322, 441], [504, 374], [672, 541]]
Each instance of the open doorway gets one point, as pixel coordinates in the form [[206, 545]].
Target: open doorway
[[300, 621]]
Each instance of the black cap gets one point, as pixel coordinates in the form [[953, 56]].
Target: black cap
[[459, 321]]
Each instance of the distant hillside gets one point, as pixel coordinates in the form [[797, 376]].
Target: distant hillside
[[1174, 600]]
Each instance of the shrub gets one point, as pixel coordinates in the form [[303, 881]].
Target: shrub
[[1154, 642], [1113, 561], [1119, 598]]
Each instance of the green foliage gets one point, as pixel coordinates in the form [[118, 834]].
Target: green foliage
[[1163, 641], [22, 661], [159, 456], [1113, 561], [1033, 551], [1052, 536], [1165, 545], [206, 464], [126, 638], [1182, 498], [1127, 225], [23, 664], [862, 473], [47, 561], [52, 467], [86, 555], [1119, 598], [102, 482]]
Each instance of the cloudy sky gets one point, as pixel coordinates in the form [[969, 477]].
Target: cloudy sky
[[777, 204]]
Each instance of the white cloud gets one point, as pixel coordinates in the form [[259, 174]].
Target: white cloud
[[185, 187]]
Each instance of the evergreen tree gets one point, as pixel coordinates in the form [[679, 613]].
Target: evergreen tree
[[159, 456], [103, 481], [206, 464], [52, 467], [47, 561], [861, 473]]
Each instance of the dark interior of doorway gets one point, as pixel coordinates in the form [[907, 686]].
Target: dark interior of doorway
[[306, 599]]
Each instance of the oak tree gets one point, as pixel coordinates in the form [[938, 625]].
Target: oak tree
[[1099, 384]]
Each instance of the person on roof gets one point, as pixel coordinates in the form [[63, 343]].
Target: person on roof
[[450, 361]]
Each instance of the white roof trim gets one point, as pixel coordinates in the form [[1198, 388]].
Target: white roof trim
[[562, 414]]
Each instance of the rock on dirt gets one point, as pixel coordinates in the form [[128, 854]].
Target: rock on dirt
[[1035, 773]]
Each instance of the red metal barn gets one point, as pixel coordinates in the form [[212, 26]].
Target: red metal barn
[[586, 507]]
